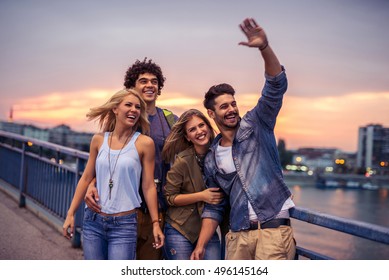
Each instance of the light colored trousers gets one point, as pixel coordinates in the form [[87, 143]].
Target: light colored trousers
[[261, 244]]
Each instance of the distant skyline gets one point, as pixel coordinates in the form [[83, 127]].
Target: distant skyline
[[60, 58], [93, 129]]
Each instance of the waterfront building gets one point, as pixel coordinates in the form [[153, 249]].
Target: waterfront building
[[62, 134], [315, 159], [12, 127], [36, 132], [373, 149]]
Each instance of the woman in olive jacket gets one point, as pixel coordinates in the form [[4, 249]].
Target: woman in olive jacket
[[187, 145]]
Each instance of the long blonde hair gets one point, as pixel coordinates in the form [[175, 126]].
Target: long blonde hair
[[176, 141], [106, 117]]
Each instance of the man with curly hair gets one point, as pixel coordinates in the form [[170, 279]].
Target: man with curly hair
[[146, 77]]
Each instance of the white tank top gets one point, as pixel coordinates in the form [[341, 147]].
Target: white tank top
[[126, 177]]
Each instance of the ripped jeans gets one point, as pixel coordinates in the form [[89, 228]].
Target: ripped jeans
[[178, 247]]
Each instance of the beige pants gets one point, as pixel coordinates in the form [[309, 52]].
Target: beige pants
[[262, 244]]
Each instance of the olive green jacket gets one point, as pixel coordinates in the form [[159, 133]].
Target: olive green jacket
[[184, 177]]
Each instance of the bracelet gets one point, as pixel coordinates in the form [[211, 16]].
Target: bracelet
[[155, 221], [267, 44]]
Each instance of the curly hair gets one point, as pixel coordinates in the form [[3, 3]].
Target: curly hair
[[142, 67]]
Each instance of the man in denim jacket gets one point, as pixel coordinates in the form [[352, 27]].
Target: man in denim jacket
[[243, 161]]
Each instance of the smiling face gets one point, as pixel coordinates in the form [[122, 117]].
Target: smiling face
[[225, 113], [147, 86], [199, 133], [128, 111]]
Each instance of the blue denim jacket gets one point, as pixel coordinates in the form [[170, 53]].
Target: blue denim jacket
[[258, 177]]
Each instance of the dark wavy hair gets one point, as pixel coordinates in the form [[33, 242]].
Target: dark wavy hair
[[215, 91], [142, 67]]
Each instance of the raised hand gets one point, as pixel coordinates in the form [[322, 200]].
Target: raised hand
[[255, 34]]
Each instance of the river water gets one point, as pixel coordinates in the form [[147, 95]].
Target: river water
[[371, 206]]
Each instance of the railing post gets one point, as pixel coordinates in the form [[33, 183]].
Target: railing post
[[76, 239], [22, 197]]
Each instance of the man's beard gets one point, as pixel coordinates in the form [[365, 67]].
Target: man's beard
[[230, 126]]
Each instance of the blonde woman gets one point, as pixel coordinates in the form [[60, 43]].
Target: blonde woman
[[119, 157], [187, 145]]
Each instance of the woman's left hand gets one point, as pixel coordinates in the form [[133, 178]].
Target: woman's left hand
[[159, 237]]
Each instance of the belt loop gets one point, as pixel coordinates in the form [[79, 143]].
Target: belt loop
[[94, 216], [259, 225]]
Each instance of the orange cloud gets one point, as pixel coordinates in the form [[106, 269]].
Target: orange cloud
[[330, 121], [60, 108]]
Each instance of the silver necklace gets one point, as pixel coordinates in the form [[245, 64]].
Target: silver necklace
[[200, 161], [110, 183]]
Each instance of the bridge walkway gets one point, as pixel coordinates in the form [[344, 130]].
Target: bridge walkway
[[25, 236]]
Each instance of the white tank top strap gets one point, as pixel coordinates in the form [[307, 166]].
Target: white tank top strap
[[104, 146], [134, 137], [106, 136]]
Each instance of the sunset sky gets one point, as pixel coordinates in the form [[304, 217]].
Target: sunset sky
[[59, 58]]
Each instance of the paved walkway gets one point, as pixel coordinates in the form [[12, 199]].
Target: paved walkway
[[24, 236]]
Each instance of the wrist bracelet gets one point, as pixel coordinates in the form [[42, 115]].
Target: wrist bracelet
[[155, 221], [267, 44]]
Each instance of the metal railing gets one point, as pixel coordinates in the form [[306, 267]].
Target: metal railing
[[46, 175], [42, 174]]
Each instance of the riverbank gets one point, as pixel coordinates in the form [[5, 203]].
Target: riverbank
[[305, 179]]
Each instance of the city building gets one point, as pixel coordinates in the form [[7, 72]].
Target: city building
[[373, 149], [12, 127], [314, 160], [36, 132], [61, 134]]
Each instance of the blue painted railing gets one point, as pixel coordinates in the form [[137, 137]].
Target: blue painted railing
[[44, 175]]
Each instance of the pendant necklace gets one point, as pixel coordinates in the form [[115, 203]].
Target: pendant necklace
[[200, 161], [110, 183]]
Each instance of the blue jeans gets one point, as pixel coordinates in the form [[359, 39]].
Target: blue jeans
[[178, 247], [109, 238]]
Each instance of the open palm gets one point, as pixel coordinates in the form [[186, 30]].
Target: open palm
[[255, 34]]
